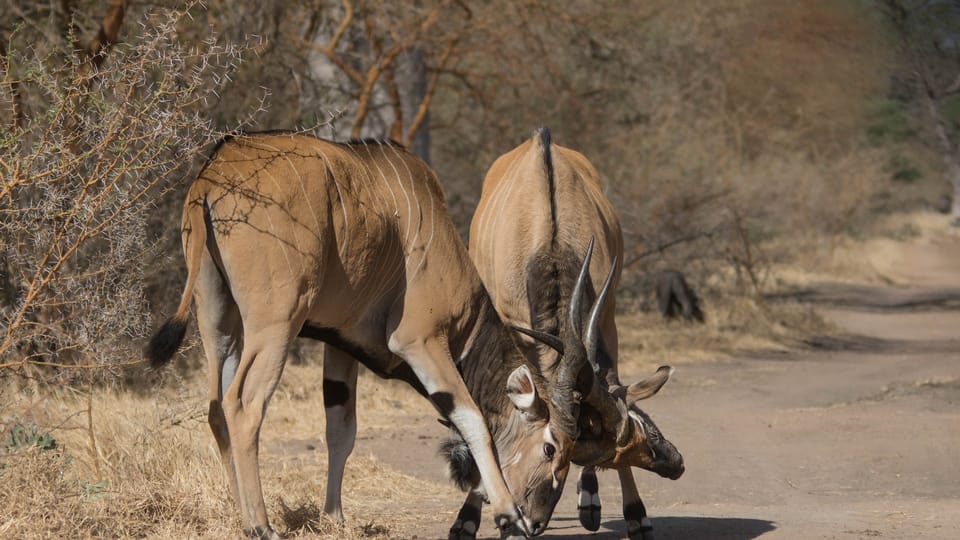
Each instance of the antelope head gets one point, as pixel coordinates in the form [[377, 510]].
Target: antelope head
[[614, 431], [542, 441], [628, 436], [537, 436]]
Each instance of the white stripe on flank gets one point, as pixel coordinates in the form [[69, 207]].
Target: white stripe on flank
[[296, 237], [406, 196], [303, 188], [396, 176], [413, 187], [373, 182], [341, 250], [361, 165]]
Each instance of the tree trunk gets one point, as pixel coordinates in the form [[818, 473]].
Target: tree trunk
[[412, 80], [948, 151], [953, 174]]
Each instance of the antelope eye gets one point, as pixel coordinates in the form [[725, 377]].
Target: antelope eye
[[549, 450]]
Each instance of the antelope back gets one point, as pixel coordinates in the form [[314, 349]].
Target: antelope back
[[540, 206], [348, 227]]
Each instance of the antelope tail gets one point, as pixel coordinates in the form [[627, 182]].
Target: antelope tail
[[164, 344], [542, 137]]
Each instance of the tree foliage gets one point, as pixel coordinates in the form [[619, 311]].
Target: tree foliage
[[716, 126]]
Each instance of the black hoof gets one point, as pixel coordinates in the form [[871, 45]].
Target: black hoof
[[509, 530], [463, 531], [640, 531], [590, 517], [588, 501], [261, 533]]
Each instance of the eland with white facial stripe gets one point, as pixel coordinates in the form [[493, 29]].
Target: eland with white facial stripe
[[290, 236], [542, 205]]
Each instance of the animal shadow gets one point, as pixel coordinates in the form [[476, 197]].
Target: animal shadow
[[668, 528]]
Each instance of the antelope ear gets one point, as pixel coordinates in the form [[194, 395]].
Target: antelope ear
[[649, 386], [521, 390], [547, 339]]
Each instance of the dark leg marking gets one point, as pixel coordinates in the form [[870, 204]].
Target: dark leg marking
[[587, 493], [335, 393], [443, 401], [635, 511]]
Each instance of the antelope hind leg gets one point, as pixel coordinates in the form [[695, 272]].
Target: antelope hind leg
[[244, 407], [221, 332]]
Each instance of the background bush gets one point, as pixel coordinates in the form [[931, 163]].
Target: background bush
[[733, 135]]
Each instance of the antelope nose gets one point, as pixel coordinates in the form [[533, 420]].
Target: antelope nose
[[537, 529]]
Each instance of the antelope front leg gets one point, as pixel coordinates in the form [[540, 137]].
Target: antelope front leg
[[340, 406], [588, 499], [634, 513], [432, 364], [468, 519]]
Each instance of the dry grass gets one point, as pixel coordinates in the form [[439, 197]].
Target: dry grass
[[144, 468], [145, 465], [734, 324]]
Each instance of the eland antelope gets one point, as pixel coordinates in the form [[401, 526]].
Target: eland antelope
[[287, 235], [540, 205]]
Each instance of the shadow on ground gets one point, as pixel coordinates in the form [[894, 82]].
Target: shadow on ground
[[871, 297], [877, 300], [873, 345], [668, 528]]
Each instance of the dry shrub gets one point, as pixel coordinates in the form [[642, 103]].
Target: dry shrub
[[799, 72], [99, 149]]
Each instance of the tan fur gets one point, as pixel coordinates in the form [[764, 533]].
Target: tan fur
[[512, 220]]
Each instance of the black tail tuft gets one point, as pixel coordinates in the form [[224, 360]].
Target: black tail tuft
[[165, 342], [461, 466]]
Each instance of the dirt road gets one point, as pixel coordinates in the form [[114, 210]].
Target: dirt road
[[856, 436]]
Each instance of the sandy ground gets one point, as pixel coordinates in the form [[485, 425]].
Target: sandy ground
[[857, 436]]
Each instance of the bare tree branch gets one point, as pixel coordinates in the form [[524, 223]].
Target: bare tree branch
[[13, 87]]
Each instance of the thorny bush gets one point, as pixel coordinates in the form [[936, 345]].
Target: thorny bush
[[88, 155]]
